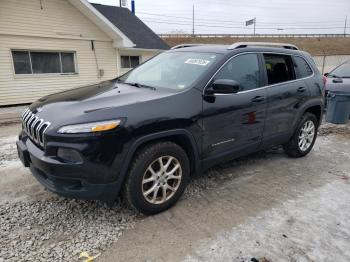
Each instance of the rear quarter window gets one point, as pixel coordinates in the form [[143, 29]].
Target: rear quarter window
[[302, 67]]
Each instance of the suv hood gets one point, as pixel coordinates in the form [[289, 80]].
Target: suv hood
[[86, 103]]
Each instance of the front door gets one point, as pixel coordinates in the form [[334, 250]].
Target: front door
[[235, 122]]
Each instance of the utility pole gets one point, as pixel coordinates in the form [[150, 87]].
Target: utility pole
[[254, 24], [193, 20], [133, 7], [346, 22], [120, 3]]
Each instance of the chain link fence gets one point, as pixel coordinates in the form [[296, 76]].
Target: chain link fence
[[326, 63]]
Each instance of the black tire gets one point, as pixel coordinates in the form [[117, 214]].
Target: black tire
[[292, 147], [134, 187]]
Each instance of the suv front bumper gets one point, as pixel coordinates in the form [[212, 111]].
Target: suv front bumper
[[83, 180]]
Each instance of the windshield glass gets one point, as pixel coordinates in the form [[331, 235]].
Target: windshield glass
[[341, 71], [174, 70]]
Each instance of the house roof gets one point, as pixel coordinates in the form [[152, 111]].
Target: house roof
[[119, 38], [131, 26]]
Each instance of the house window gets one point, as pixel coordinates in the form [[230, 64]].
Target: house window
[[130, 61], [40, 62]]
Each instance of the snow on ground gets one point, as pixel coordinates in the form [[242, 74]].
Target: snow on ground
[[8, 156], [291, 232]]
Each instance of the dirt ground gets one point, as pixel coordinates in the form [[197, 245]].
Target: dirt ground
[[263, 207]]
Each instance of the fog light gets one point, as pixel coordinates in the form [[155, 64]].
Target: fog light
[[69, 155]]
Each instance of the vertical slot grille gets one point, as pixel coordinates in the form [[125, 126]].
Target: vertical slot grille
[[34, 126]]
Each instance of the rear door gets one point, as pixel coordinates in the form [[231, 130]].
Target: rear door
[[286, 94]]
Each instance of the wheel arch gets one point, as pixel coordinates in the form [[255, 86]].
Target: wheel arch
[[315, 110], [181, 137], [314, 107]]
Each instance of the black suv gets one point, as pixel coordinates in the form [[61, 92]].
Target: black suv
[[145, 133]]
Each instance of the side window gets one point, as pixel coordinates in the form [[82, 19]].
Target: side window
[[244, 69], [302, 67], [279, 68], [130, 61]]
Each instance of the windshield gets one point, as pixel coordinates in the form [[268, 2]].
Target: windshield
[[174, 70], [342, 71]]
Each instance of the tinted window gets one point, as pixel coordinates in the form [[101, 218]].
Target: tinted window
[[341, 71], [279, 68], [21, 62], [244, 69], [302, 67]]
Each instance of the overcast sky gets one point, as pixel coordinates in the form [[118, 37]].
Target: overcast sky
[[225, 16]]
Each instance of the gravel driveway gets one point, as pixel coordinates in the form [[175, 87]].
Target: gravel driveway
[[266, 207]]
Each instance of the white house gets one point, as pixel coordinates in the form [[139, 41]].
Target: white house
[[47, 46]]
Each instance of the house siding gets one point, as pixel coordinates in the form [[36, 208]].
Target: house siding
[[58, 27], [58, 19]]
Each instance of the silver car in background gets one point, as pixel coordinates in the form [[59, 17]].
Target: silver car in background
[[338, 79]]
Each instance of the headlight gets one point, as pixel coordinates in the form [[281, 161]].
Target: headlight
[[89, 127]]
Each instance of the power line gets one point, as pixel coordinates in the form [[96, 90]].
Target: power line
[[237, 27], [241, 22]]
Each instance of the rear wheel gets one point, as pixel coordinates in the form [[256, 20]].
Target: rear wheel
[[157, 178], [303, 138]]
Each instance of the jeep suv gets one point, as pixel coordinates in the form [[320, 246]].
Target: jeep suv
[[145, 133]]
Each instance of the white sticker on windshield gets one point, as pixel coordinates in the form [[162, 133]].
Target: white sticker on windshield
[[195, 61]]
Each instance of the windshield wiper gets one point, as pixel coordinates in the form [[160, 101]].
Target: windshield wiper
[[138, 85]]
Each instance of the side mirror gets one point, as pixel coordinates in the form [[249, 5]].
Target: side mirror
[[326, 74], [224, 86]]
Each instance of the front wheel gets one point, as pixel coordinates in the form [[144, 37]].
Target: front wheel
[[304, 137], [157, 178]]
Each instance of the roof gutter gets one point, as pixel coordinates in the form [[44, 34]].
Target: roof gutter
[[142, 49]]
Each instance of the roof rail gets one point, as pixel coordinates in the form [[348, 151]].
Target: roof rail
[[185, 45], [246, 44]]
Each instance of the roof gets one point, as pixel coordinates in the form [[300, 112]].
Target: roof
[[119, 38], [139, 33]]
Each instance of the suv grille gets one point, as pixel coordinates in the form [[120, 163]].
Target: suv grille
[[34, 127]]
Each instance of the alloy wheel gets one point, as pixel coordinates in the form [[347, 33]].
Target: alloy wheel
[[161, 179], [306, 135]]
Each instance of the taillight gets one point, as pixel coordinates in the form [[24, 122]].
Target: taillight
[[324, 80]]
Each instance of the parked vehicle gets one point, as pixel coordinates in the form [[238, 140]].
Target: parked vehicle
[[145, 133], [338, 79]]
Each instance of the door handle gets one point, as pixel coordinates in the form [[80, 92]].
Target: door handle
[[258, 99], [337, 80], [301, 89]]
